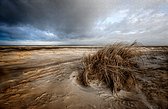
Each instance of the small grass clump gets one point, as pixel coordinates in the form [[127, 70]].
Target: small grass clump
[[111, 65]]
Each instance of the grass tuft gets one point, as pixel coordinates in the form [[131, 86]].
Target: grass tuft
[[111, 65]]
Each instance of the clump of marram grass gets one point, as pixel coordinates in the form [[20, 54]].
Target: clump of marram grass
[[111, 65]]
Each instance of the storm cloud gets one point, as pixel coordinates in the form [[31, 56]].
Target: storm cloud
[[84, 21]]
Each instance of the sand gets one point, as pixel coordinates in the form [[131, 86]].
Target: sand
[[45, 78]]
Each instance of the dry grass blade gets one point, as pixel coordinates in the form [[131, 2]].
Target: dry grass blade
[[111, 65]]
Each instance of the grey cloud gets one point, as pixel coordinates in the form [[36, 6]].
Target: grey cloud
[[69, 16]]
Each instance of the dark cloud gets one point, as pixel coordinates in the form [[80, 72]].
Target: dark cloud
[[69, 16], [11, 12]]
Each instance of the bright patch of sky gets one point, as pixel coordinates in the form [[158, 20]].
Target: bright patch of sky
[[115, 17]]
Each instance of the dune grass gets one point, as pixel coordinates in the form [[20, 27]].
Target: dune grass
[[111, 65]]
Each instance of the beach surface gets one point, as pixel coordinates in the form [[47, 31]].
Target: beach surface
[[33, 77]]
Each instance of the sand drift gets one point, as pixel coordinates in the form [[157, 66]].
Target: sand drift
[[115, 77]]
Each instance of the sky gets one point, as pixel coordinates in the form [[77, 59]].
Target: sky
[[83, 22]]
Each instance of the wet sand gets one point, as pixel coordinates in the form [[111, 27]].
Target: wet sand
[[45, 78]]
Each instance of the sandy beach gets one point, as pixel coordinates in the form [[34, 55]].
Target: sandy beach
[[45, 78]]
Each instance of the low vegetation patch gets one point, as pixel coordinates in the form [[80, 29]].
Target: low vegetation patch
[[111, 65]]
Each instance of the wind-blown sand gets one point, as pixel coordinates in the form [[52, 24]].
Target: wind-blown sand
[[45, 78]]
